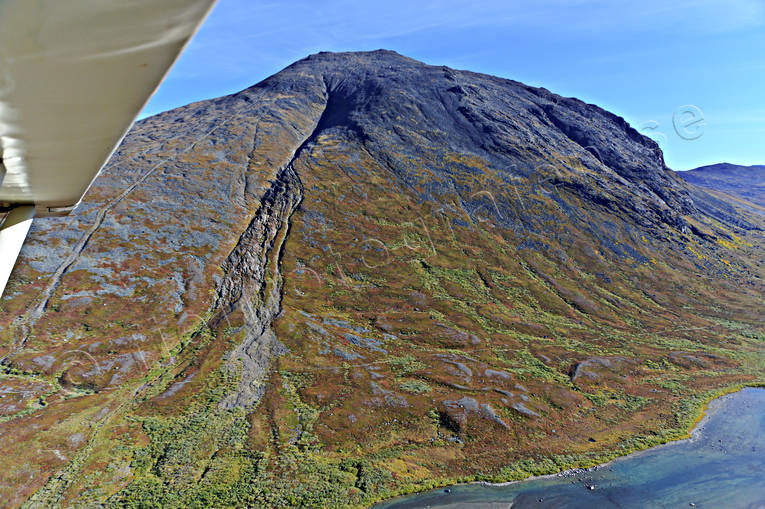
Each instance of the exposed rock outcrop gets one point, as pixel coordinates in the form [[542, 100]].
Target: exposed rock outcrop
[[252, 284]]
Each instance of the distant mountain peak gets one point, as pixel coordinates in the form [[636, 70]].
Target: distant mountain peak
[[746, 182]]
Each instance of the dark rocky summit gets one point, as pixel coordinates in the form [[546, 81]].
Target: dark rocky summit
[[363, 276]]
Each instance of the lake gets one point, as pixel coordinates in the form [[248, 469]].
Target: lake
[[721, 467]]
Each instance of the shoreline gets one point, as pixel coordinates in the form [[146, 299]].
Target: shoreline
[[707, 410], [712, 403]]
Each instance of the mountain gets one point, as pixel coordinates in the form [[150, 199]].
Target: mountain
[[366, 276], [746, 182]]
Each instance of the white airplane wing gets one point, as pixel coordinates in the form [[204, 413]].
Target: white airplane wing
[[74, 74]]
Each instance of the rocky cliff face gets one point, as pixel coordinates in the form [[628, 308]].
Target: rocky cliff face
[[362, 276]]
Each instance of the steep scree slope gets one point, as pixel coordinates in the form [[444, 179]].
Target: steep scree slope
[[361, 277]]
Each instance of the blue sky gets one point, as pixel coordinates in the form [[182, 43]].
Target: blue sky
[[690, 74]]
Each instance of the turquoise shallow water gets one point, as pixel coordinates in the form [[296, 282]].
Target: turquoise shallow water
[[722, 467]]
